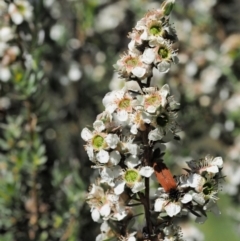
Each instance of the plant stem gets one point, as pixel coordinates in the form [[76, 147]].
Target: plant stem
[[147, 211], [145, 198]]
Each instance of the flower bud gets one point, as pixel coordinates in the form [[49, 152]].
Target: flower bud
[[167, 6]]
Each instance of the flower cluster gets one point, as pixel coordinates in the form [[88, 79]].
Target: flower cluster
[[14, 13], [114, 143], [126, 141], [195, 192], [151, 45], [105, 205]]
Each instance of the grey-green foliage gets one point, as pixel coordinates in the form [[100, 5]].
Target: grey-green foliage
[[41, 193]]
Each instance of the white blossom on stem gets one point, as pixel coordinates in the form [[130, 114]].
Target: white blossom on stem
[[20, 10]]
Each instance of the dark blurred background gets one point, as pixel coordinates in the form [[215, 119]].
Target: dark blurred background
[[44, 170]]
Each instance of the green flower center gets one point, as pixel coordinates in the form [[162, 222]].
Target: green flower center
[[155, 30], [162, 120], [131, 176], [98, 142], [163, 52], [151, 100], [124, 104], [21, 8], [132, 62], [207, 188]]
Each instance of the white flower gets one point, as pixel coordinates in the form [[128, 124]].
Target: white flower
[[151, 26], [19, 11], [99, 143], [154, 98], [120, 102], [163, 122], [132, 64], [208, 164], [193, 180], [171, 208], [131, 177], [6, 34], [95, 139], [96, 199], [106, 232], [171, 202], [207, 190], [101, 203], [163, 55], [137, 122]]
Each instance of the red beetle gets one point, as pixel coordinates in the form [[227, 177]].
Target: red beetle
[[164, 176]]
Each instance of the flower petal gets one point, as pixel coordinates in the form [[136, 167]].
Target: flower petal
[[163, 66], [102, 156], [186, 198], [155, 135], [172, 209], [138, 186], [95, 215], [218, 161], [146, 171], [212, 169], [99, 125], [122, 115], [115, 157], [105, 210], [132, 161], [159, 204], [112, 140], [119, 187], [148, 56], [139, 72], [86, 134]]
